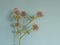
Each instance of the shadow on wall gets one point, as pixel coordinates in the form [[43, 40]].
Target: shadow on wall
[[11, 20]]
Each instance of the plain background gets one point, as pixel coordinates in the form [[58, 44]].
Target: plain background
[[49, 32]]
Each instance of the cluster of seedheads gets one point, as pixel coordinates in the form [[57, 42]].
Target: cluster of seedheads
[[18, 14]]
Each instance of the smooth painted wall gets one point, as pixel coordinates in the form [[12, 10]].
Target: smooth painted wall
[[49, 32]]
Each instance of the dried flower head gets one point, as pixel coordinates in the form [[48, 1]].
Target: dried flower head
[[16, 11], [39, 14], [35, 27], [17, 24], [23, 13]]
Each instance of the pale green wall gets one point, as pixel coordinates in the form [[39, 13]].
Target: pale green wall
[[49, 33]]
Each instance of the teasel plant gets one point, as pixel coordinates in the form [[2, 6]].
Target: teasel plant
[[20, 28]]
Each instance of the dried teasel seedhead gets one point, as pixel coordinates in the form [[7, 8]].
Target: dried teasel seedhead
[[35, 27], [39, 14], [23, 14], [16, 24], [16, 11], [16, 14]]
